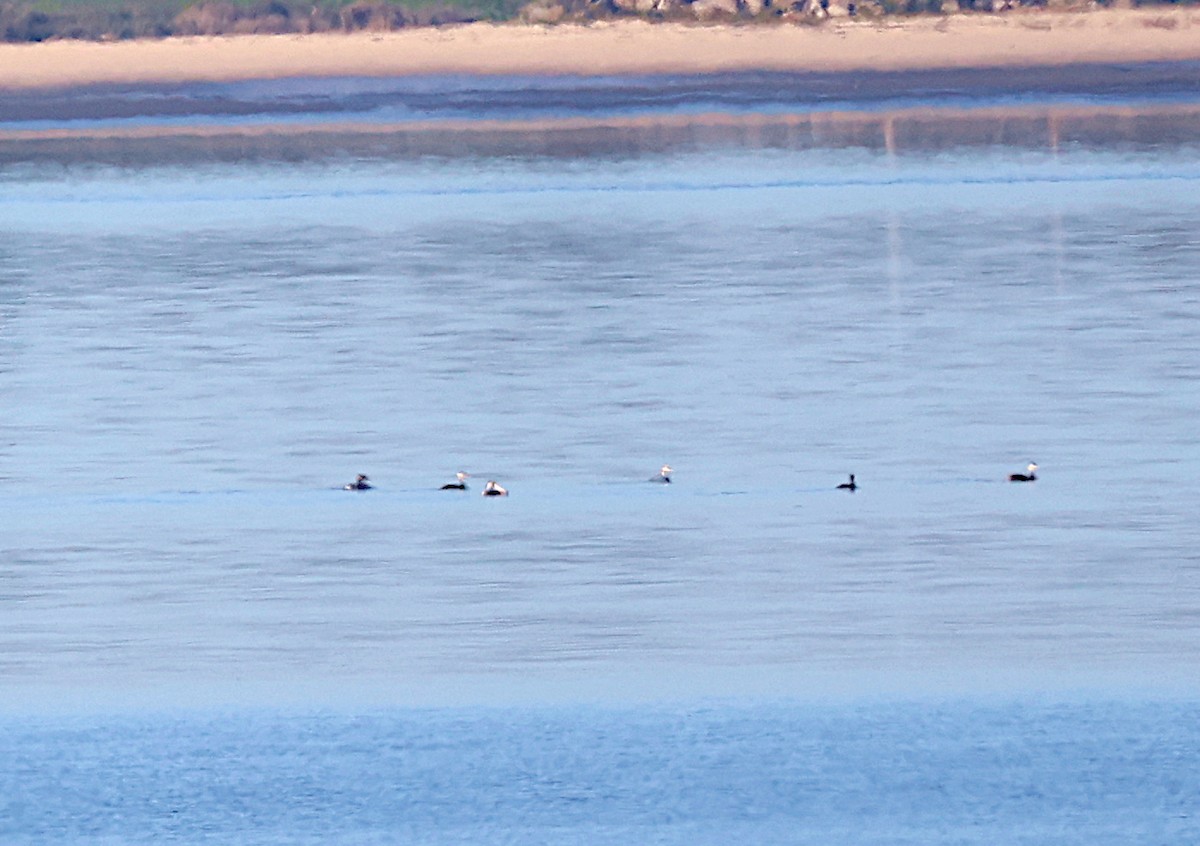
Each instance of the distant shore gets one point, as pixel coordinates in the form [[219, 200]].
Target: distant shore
[[1020, 38]]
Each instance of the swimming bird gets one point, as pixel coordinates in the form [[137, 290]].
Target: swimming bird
[[848, 486], [1022, 477], [664, 475], [492, 489], [460, 485], [360, 483]]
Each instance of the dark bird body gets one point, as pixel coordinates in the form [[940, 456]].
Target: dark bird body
[[1029, 476], [460, 485]]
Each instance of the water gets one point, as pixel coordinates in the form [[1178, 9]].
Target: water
[[912, 773], [508, 98], [195, 356]]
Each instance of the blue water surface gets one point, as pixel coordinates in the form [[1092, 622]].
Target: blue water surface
[[865, 772], [204, 639], [430, 98]]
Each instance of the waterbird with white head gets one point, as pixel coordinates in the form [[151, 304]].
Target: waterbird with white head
[[1030, 474]]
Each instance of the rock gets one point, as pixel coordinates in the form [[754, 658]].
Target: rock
[[706, 10], [262, 25], [207, 19], [371, 17], [542, 12], [637, 7]]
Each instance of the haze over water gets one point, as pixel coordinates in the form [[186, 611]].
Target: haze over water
[[194, 357]]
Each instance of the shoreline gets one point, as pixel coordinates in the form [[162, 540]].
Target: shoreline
[[1050, 129], [1051, 116], [1020, 38]]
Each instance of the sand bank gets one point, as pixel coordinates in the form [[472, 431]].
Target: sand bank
[[1019, 38]]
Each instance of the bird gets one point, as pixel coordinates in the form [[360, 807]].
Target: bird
[[493, 489], [360, 483], [460, 485], [664, 475], [1029, 476], [848, 486]]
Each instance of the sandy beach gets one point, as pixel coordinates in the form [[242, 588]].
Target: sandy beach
[[1013, 39]]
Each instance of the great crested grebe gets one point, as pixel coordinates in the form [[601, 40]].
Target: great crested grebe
[[492, 489], [460, 485], [664, 475], [1030, 474], [360, 483], [848, 486]]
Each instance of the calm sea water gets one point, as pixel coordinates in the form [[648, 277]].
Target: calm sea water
[[220, 644]]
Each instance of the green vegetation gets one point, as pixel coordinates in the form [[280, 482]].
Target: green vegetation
[[39, 20]]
